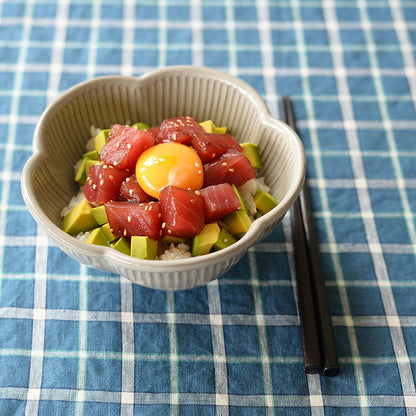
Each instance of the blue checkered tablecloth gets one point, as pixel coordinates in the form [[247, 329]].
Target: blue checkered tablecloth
[[77, 341]]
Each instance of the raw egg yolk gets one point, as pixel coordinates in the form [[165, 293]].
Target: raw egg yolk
[[169, 164]]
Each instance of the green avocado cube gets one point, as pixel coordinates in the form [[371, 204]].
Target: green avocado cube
[[88, 164], [264, 201], [169, 239], [108, 233], [93, 154], [122, 245], [140, 126], [99, 214], [97, 237], [100, 139], [210, 127], [225, 239], [205, 240], [238, 222], [80, 174], [143, 247], [251, 151], [243, 206], [79, 219]]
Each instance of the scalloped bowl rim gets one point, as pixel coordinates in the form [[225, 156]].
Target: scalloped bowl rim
[[241, 246]]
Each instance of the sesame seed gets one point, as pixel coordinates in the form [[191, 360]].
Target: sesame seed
[[213, 155], [129, 218], [125, 232], [94, 186], [111, 177], [102, 182], [131, 191], [199, 172], [225, 240], [231, 170], [197, 193], [127, 179], [100, 175], [224, 163], [169, 231], [163, 224], [196, 164], [117, 145], [129, 146], [159, 215]]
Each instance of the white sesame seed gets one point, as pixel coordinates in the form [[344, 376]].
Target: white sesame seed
[[231, 170], [129, 218]]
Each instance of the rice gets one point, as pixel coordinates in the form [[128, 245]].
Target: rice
[[180, 251]]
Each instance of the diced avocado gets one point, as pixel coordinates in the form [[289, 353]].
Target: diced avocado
[[100, 139], [143, 247], [122, 245], [80, 174], [204, 241], [106, 229], [210, 127], [97, 237], [99, 214], [169, 239], [264, 201], [93, 154], [88, 164], [243, 206], [141, 126], [238, 222], [79, 219], [251, 151], [225, 239]]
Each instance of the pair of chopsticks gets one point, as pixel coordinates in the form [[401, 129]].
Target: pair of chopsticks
[[318, 343]]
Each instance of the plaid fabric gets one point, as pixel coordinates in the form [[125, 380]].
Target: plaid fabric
[[75, 341]]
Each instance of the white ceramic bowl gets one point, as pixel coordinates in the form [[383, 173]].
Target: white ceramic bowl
[[202, 93]]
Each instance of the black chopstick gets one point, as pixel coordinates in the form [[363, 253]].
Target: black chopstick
[[317, 333]]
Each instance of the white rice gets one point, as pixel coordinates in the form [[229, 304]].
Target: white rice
[[180, 251]]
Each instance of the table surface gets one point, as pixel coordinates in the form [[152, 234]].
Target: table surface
[[74, 340]]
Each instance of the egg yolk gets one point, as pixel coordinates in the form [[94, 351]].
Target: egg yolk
[[169, 164]]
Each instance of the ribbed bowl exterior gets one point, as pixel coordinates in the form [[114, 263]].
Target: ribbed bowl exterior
[[202, 93]]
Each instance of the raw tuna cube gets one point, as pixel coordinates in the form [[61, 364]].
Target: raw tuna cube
[[124, 145], [127, 219], [219, 200], [232, 167], [131, 191], [211, 145], [103, 183], [178, 130], [182, 211]]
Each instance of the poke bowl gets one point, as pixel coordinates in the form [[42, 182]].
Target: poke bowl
[[199, 93]]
